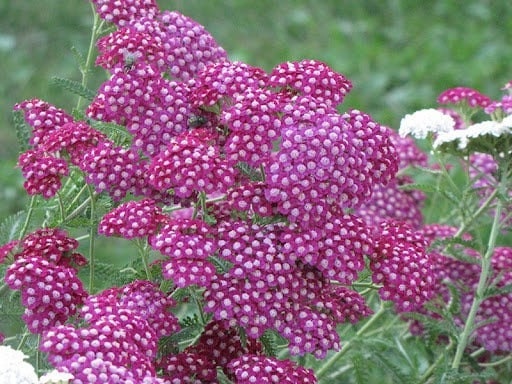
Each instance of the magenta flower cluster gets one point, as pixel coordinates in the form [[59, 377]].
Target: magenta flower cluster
[[44, 270], [249, 186]]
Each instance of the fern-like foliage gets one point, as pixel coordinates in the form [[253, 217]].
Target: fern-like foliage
[[115, 132], [222, 378], [11, 227], [221, 265], [11, 311], [270, 342], [392, 367], [79, 58], [451, 376], [360, 367], [186, 336], [74, 87], [251, 173], [23, 130]]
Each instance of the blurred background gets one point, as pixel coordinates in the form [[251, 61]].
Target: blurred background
[[400, 54]]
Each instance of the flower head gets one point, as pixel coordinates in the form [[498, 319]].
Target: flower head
[[132, 219], [475, 135], [457, 95], [42, 172], [249, 369], [313, 78], [402, 266], [121, 12], [225, 80], [50, 293], [191, 164], [254, 127], [425, 121], [52, 244], [153, 109], [111, 168], [119, 338], [56, 377], [268, 286], [189, 47], [43, 117], [332, 162], [13, 368], [73, 138]]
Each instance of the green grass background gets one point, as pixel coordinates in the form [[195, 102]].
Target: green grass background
[[400, 54]]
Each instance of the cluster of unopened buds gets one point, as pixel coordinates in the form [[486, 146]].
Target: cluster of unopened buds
[[226, 165]]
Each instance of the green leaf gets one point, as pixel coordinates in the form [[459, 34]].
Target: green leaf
[[11, 226], [221, 265], [251, 173], [186, 336], [419, 187], [23, 130], [269, 341], [454, 305], [498, 291], [453, 376], [105, 275], [360, 367], [222, 378], [431, 171], [80, 59], [74, 87], [117, 133], [385, 361]]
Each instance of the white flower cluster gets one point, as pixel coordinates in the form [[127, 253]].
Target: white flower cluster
[[56, 377], [420, 123], [14, 370], [463, 136]]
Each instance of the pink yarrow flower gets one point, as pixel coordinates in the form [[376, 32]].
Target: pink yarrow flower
[[188, 244], [261, 369], [402, 266], [121, 12], [42, 172], [50, 293], [133, 219], [43, 117], [459, 95], [311, 77]]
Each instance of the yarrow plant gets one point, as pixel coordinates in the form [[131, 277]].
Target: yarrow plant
[[272, 238]]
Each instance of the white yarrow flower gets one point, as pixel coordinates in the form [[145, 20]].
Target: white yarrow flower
[[448, 137], [484, 128], [420, 123], [56, 377], [13, 368]]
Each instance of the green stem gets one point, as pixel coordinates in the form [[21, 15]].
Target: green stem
[[23, 340], [366, 285], [62, 211], [426, 375], [336, 357], [477, 213], [92, 237], [79, 209], [144, 254], [27, 219], [3, 289], [96, 26], [480, 290], [77, 195], [497, 362]]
